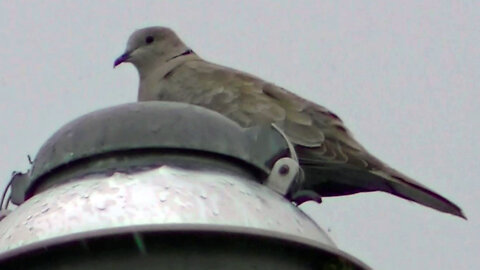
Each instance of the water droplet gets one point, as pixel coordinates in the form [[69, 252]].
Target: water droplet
[[45, 210], [203, 196], [162, 196], [101, 205]]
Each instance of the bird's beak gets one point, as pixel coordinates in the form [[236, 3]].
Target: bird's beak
[[123, 58]]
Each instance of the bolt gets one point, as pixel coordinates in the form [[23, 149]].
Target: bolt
[[284, 169]]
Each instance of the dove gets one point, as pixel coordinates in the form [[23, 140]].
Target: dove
[[334, 163]]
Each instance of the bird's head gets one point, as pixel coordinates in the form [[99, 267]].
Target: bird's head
[[150, 47]]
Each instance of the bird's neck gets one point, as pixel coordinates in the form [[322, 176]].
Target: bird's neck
[[150, 78], [163, 66]]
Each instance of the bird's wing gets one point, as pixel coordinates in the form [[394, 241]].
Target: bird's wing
[[249, 101]]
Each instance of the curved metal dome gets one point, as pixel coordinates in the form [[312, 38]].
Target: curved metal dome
[[152, 126]]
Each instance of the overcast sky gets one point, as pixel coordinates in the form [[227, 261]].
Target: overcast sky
[[403, 75]]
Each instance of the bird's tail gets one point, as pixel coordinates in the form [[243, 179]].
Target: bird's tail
[[342, 179]]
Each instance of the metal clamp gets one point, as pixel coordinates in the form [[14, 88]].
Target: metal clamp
[[286, 171]]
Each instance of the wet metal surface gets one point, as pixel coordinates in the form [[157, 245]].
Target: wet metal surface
[[160, 196]]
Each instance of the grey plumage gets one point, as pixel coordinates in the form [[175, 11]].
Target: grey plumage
[[335, 163]]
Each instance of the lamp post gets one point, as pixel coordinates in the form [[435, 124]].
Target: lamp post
[[159, 185]]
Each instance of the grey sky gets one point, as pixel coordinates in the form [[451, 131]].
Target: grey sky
[[403, 75]]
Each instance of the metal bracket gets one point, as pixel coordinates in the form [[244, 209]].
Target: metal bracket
[[283, 175], [286, 171]]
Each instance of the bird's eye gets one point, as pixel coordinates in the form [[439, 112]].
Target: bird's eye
[[149, 39]]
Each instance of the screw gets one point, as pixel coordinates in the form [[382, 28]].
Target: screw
[[284, 169]]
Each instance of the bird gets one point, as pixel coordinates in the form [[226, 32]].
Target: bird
[[333, 162]]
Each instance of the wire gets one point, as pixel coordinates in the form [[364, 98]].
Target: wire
[[8, 201], [9, 185]]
